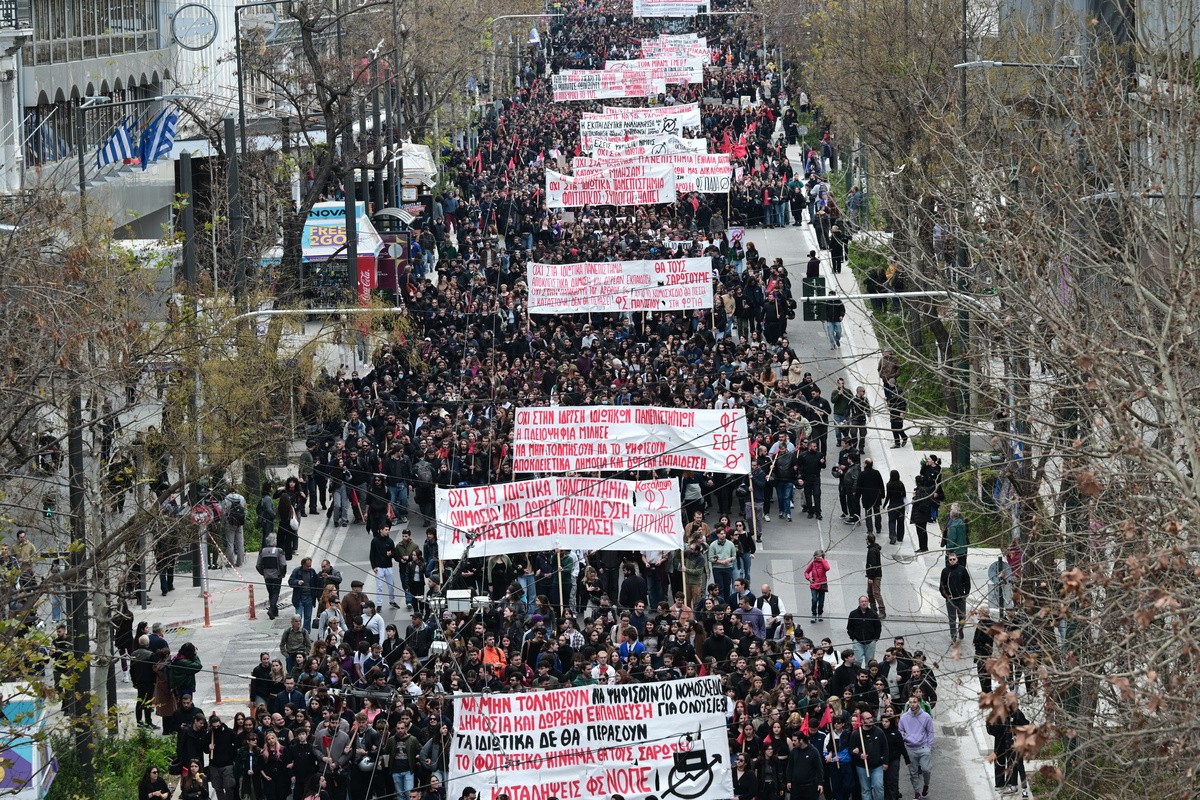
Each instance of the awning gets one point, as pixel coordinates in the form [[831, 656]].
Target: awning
[[325, 232]]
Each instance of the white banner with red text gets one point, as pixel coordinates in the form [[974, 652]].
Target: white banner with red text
[[599, 84], [559, 513], [590, 742], [636, 185], [675, 71], [685, 45], [619, 438], [598, 287], [694, 172], [671, 8]]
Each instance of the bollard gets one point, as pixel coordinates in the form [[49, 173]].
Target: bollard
[[207, 612], [217, 684], [252, 614]]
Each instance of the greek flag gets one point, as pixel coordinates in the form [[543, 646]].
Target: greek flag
[[118, 146], [158, 138]]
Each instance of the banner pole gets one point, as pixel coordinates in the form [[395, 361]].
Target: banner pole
[[562, 598]]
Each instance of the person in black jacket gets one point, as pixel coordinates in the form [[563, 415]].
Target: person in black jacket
[[810, 464], [870, 495], [222, 751], [896, 752], [1009, 764], [895, 493], [633, 588], [955, 585], [863, 627], [382, 558], [983, 644], [745, 781], [875, 576], [805, 773], [835, 312], [870, 757], [192, 742]]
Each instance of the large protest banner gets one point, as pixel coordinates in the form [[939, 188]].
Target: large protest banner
[[686, 45], [636, 185], [598, 84], [590, 742], [633, 122], [672, 70], [694, 172], [559, 513], [618, 438], [614, 286], [646, 146], [670, 8]]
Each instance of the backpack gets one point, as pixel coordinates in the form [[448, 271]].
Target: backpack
[[237, 515], [424, 473]]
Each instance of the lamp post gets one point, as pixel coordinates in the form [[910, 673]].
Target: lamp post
[[493, 21], [237, 50]]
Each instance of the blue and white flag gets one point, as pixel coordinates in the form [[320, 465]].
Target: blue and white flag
[[118, 146], [158, 137]]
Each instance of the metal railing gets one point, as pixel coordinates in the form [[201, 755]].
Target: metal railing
[[16, 14]]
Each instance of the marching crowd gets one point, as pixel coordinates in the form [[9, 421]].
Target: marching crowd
[[352, 705]]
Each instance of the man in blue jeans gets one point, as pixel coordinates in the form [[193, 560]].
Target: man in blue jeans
[[871, 758], [835, 312], [405, 753], [303, 581]]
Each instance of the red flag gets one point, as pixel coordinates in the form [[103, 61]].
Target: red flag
[[804, 727], [512, 163], [826, 718], [726, 142]]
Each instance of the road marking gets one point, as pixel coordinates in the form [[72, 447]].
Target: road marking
[[785, 589]]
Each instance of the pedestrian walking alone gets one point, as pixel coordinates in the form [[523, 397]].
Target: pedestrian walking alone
[[817, 575]]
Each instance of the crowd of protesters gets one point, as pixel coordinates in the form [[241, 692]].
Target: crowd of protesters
[[355, 706]]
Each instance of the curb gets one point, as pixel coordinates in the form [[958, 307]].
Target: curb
[[317, 545]]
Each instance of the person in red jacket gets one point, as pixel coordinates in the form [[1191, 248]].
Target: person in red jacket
[[817, 575]]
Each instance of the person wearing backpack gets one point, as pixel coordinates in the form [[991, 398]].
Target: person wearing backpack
[[272, 565], [423, 486], [233, 509]]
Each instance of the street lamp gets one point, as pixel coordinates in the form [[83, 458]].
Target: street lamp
[[493, 21], [237, 49]]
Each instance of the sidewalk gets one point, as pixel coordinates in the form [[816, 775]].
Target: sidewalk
[[958, 688], [229, 587]]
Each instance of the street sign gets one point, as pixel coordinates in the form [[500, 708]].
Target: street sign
[[814, 309], [202, 515]]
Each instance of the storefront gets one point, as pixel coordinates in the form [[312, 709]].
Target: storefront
[[330, 279]]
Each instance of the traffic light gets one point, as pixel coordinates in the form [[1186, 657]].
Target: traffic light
[[811, 290]]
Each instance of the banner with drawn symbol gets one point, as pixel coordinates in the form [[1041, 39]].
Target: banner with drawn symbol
[[559, 513], [618, 438], [590, 742]]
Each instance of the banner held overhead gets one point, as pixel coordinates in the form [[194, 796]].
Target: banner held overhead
[[620, 438]]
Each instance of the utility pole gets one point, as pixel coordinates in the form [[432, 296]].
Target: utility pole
[[236, 221]]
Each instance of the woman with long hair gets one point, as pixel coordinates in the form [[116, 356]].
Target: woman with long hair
[[287, 522], [274, 769], [314, 789], [153, 786], [193, 785]]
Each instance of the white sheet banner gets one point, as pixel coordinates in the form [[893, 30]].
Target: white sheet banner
[[670, 8], [666, 47], [592, 742], [618, 438], [598, 84], [626, 123], [599, 287], [694, 172], [637, 185], [672, 70], [686, 45], [646, 146], [559, 513]]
